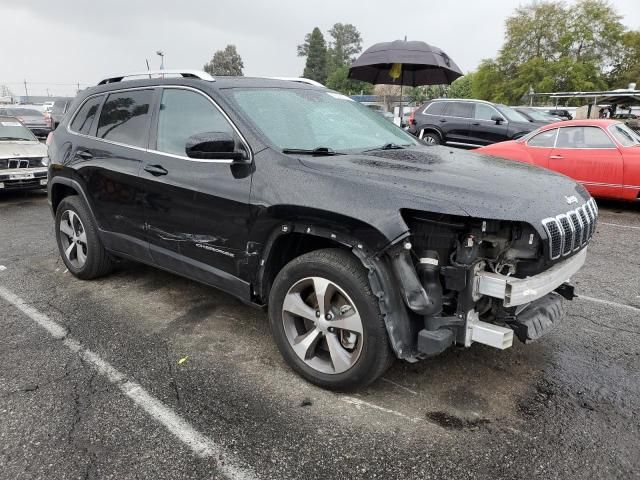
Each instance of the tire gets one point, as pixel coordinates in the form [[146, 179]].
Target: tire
[[88, 259], [338, 360], [431, 138]]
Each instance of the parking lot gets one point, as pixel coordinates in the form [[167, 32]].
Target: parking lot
[[155, 376]]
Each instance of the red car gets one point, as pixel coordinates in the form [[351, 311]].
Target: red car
[[603, 155]]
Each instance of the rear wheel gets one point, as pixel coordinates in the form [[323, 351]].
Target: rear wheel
[[430, 138], [78, 241], [326, 321]]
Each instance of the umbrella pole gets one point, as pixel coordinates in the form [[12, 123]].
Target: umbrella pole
[[401, 85]]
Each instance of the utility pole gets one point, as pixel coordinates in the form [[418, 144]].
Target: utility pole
[[78, 91], [26, 92]]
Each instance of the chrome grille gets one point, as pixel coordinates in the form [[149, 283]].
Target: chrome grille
[[570, 231]]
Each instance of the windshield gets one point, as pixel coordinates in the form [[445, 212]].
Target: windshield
[[12, 130], [510, 114], [624, 135], [308, 119], [536, 115]]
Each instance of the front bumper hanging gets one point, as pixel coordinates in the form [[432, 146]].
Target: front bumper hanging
[[518, 291]]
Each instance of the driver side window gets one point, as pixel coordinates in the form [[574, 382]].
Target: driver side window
[[484, 112], [184, 113]]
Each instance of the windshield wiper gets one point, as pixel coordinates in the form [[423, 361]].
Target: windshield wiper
[[389, 146], [319, 151]]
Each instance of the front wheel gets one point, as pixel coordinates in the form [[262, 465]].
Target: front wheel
[[326, 321]]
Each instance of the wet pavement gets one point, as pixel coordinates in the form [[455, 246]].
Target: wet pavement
[[564, 407]]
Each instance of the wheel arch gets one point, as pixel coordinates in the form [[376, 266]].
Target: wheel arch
[[430, 129], [62, 187], [294, 238]]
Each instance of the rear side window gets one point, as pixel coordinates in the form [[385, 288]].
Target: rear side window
[[184, 113], [125, 118], [545, 139], [435, 108], [84, 118], [583, 137], [460, 109]]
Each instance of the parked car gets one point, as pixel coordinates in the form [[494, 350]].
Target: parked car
[[536, 116], [467, 123], [23, 159], [563, 114], [363, 243], [31, 118], [630, 120], [603, 155], [58, 111]]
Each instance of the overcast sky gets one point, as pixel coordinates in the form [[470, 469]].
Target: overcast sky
[[50, 43]]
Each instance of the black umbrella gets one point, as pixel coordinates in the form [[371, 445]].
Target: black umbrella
[[404, 63]]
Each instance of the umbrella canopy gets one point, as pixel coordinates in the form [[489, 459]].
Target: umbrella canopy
[[419, 64]]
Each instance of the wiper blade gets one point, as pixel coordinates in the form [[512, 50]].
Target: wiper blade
[[389, 146], [319, 151], [14, 138]]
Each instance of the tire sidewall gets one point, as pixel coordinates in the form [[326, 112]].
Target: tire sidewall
[[435, 136], [374, 332], [76, 205]]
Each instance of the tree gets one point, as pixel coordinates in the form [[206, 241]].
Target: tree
[[225, 62], [346, 44], [462, 87], [549, 47], [339, 81], [315, 49], [626, 67]]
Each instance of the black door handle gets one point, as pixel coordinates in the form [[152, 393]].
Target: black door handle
[[442, 120], [156, 170], [475, 124], [84, 154]]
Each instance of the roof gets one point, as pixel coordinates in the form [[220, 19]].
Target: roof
[[599, 122], [219, 84]]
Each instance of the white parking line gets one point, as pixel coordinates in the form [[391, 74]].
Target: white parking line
[[618, 225], [610, 303], [200, 444], [399, 386], [361, 403]]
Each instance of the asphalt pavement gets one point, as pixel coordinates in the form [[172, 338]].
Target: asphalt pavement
[[143, 374]]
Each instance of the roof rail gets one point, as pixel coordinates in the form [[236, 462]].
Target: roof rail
[[299, 80], [184, 73]]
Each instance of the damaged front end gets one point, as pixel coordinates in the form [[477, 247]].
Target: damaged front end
[[463, 281]]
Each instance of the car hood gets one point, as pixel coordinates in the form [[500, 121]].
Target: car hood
[[446, 180], [22, 149]]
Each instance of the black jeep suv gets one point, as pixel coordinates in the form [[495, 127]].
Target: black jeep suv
[[467, 123], [364, 243]]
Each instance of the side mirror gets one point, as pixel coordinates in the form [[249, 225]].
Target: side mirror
[[213, 146], [498, 119]]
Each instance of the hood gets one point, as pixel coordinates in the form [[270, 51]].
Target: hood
[[447, 180], [22, 149]]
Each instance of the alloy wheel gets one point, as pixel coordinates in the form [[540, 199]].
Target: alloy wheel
[[429, 139], [73, 238], [322, 325]]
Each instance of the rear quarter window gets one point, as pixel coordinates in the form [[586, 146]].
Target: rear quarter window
[[125, 118], [435, 108], [84, 118]]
